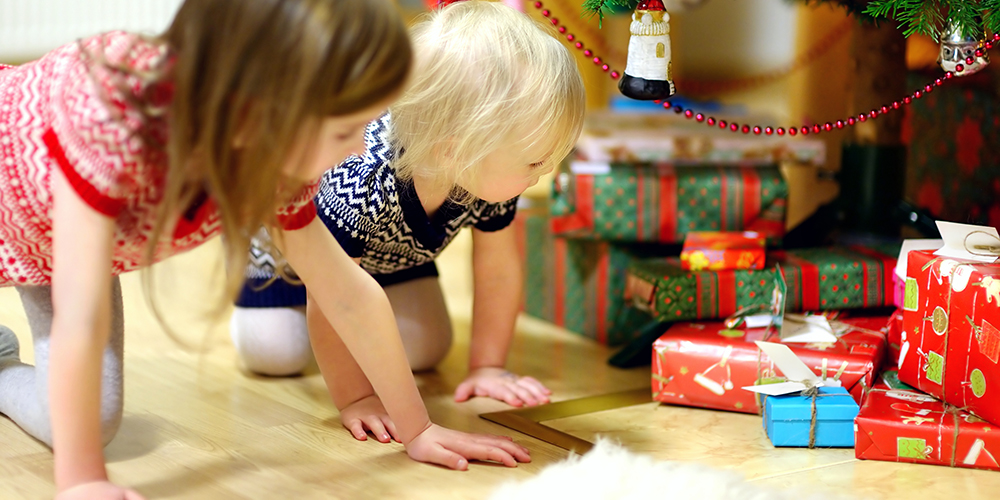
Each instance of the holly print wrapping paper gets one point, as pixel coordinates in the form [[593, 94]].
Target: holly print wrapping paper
[[817, 279], [662, 203]]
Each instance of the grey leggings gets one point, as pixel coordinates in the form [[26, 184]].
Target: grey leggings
[[24, 390]]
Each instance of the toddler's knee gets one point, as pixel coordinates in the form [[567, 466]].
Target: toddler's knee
[[271, 341], [430, 352]]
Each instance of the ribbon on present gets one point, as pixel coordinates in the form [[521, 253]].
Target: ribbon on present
[[947, 330], [800, 378], [813, 392]]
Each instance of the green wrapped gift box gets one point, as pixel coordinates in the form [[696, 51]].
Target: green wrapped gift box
[[662, 203], [817, 279], [577, 284]]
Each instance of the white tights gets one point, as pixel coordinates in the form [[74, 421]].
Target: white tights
[[275, 341], [24, 390]]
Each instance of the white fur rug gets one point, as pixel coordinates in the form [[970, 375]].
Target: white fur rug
[[612, 472]]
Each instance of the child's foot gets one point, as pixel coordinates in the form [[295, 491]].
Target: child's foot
[[9, 346]]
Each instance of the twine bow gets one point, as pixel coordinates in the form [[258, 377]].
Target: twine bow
[[812, 392], [983, 250]]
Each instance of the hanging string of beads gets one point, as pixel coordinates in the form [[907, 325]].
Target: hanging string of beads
[[735, 127]]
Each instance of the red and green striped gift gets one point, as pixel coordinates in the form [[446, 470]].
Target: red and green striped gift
[[662, 203], [817, 279], [577, 284]]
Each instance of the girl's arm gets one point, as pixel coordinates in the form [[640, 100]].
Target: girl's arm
[[359, 311], [498, 281], [354, 396], [81, 290]]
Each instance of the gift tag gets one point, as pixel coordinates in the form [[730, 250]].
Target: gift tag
[[966, 241], [797, 328], [799, 376]]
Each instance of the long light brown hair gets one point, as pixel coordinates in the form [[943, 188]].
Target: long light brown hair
[[261, 73]]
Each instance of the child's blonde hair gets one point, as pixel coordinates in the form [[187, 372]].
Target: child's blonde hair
[[262, 73], [483, 72]]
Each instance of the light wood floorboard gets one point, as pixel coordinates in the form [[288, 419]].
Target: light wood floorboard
[[197, 427]]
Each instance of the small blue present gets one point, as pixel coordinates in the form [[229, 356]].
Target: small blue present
[[788, 419]]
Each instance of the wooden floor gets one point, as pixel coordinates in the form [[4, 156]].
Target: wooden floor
[[196, 427]]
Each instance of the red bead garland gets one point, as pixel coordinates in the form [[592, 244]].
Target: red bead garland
[[756, 129]]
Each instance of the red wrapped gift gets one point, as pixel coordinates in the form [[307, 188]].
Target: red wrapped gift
[[906, 426], [720, 250], [950, 340], [894, 335], [705, 365]]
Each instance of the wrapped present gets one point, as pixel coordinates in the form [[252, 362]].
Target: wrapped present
[[663, 203], [899, 276], [789, 419], [617, 138], [894, 336], [705, 364], [817, 279], [578, 285], [806, 410], [950, 343], [906, 426], [719, 251]]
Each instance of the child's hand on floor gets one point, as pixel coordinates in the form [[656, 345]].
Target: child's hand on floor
[[98, 490], [454, 449], [368, 414], [502, 385]]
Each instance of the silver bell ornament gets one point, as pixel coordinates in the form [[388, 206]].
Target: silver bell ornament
[[647, 72], [958, 49]]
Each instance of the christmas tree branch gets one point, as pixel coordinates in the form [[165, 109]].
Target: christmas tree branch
[[600, 7], [932, 17]]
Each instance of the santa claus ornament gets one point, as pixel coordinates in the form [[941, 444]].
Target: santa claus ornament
[[647, 72], [960, 54]]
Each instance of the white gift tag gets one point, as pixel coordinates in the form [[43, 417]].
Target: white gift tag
[[800, 328], [960, 241], [799, 376]]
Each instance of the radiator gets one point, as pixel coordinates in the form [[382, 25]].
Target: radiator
[[30, 28]]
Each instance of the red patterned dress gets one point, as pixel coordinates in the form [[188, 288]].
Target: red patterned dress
[[53, 116]]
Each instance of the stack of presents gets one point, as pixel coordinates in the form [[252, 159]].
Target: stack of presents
[[891, 349]]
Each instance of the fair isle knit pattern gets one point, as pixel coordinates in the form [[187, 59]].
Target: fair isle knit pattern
[[65, 112], [376, 217]]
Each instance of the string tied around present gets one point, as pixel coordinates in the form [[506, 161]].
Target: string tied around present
[[812, 392]]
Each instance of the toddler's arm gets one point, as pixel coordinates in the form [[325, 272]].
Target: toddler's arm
[[498, 282], [81, 281], [359, 311]]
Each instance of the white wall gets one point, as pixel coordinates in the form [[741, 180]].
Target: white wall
[[29, 28]]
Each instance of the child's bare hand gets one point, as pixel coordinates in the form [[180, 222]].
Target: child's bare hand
[[98, 490], [368, 414], [502, 385], [454, 449]]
